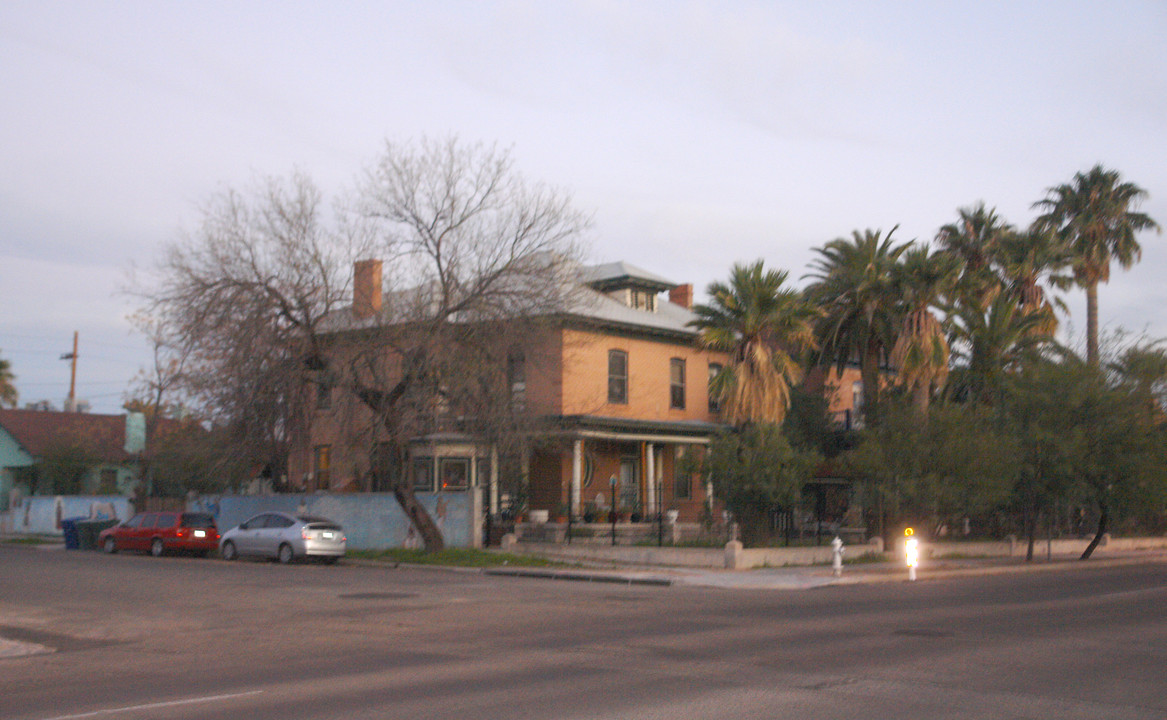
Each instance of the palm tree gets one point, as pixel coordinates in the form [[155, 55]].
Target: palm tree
[[920, 355], [762, 326], [8, 394], [1093, 215], [974, 238], [1022, 261], [856, 290], [992, 343]]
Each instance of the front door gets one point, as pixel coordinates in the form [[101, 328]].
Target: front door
[[629, 486]]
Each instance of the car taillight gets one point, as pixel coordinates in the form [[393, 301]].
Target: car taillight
[[306, 534]]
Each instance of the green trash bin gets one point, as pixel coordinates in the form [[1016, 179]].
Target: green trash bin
[[88, 530]]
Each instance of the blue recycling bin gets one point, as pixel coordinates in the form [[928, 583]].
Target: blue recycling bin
[[69, 529]]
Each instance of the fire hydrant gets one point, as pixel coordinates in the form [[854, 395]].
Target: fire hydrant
[[837, 556], [911, 553]]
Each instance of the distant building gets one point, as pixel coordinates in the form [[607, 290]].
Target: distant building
[[104, 448]]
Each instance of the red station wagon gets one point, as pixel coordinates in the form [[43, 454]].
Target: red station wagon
[[158, 532]]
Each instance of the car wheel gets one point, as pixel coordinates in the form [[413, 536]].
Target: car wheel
[[285, 554], [110, 546], [156, 547], [229, 552]]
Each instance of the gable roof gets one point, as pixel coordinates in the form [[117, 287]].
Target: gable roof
[[37, 431]]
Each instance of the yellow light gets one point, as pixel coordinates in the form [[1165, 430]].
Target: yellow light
[[909, 532]]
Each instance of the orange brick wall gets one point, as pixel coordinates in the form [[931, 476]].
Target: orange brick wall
[[585, 377]]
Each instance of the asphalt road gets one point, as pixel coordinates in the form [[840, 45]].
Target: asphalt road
[[127, 637]]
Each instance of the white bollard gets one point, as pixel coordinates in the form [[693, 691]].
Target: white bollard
[[911, 554], [837, 555]]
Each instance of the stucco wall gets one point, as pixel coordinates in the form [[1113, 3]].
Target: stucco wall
[[371, 521], [42, 515]]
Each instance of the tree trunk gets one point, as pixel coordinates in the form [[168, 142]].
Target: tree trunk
[[921, 399], [419, 516], [382, 403], [869, 371], [1103, 520], [1092, 324], [1030, 523]]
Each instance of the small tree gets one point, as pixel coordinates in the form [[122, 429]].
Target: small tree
[[755, 471]]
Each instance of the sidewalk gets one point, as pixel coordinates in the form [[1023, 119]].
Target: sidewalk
[[808, 577]]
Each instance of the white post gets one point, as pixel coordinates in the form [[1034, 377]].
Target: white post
[[494, 480], [837, 555], [576, 475], [649, 480]]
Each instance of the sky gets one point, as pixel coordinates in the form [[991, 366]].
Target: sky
[[697, 134]]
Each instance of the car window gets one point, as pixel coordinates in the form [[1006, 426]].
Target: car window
[[264, 521], [279, 521], [324, 525], [198, 520], [166, 520], [148, 520], [134, 522], [312, 519]]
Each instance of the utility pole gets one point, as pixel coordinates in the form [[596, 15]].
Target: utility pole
[[71, 403]]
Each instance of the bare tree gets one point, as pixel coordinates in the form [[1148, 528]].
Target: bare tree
[[259, 297]]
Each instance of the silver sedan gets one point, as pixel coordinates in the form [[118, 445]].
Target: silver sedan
[[284, 537]]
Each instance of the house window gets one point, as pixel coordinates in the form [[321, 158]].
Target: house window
[[517, 379], [423, 474], [455, 473], [677, 383], [644, 300], [321, 466], [482, 472], [714, 400], [324, 392], [617, 376]]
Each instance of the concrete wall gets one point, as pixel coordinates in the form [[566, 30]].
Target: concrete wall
[[372, 521], [748, 558], [41, 515]]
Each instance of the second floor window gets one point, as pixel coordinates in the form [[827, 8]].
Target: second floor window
[[324, 392], [617, 376], [677, 383], [714, 400], [517, 379]]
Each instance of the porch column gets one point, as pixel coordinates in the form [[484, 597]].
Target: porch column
[[576, 475], [494, 480], [649, 479]]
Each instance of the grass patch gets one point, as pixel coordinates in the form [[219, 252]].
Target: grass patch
[[453, 557], [964, 556], [32, 541]]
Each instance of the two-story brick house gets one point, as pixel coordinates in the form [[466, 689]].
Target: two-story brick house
[[617, 381]]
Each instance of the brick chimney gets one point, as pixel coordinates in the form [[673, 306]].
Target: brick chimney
[[682, 295], [366, 288]]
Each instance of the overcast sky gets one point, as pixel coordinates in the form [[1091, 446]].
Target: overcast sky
[[697, 133]]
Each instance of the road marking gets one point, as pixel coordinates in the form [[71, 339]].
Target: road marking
[[154, 706]]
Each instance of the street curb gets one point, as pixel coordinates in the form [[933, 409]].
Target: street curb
[[614, 578]]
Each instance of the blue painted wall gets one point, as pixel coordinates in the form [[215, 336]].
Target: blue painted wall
[[42, 515], [371, 521]]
